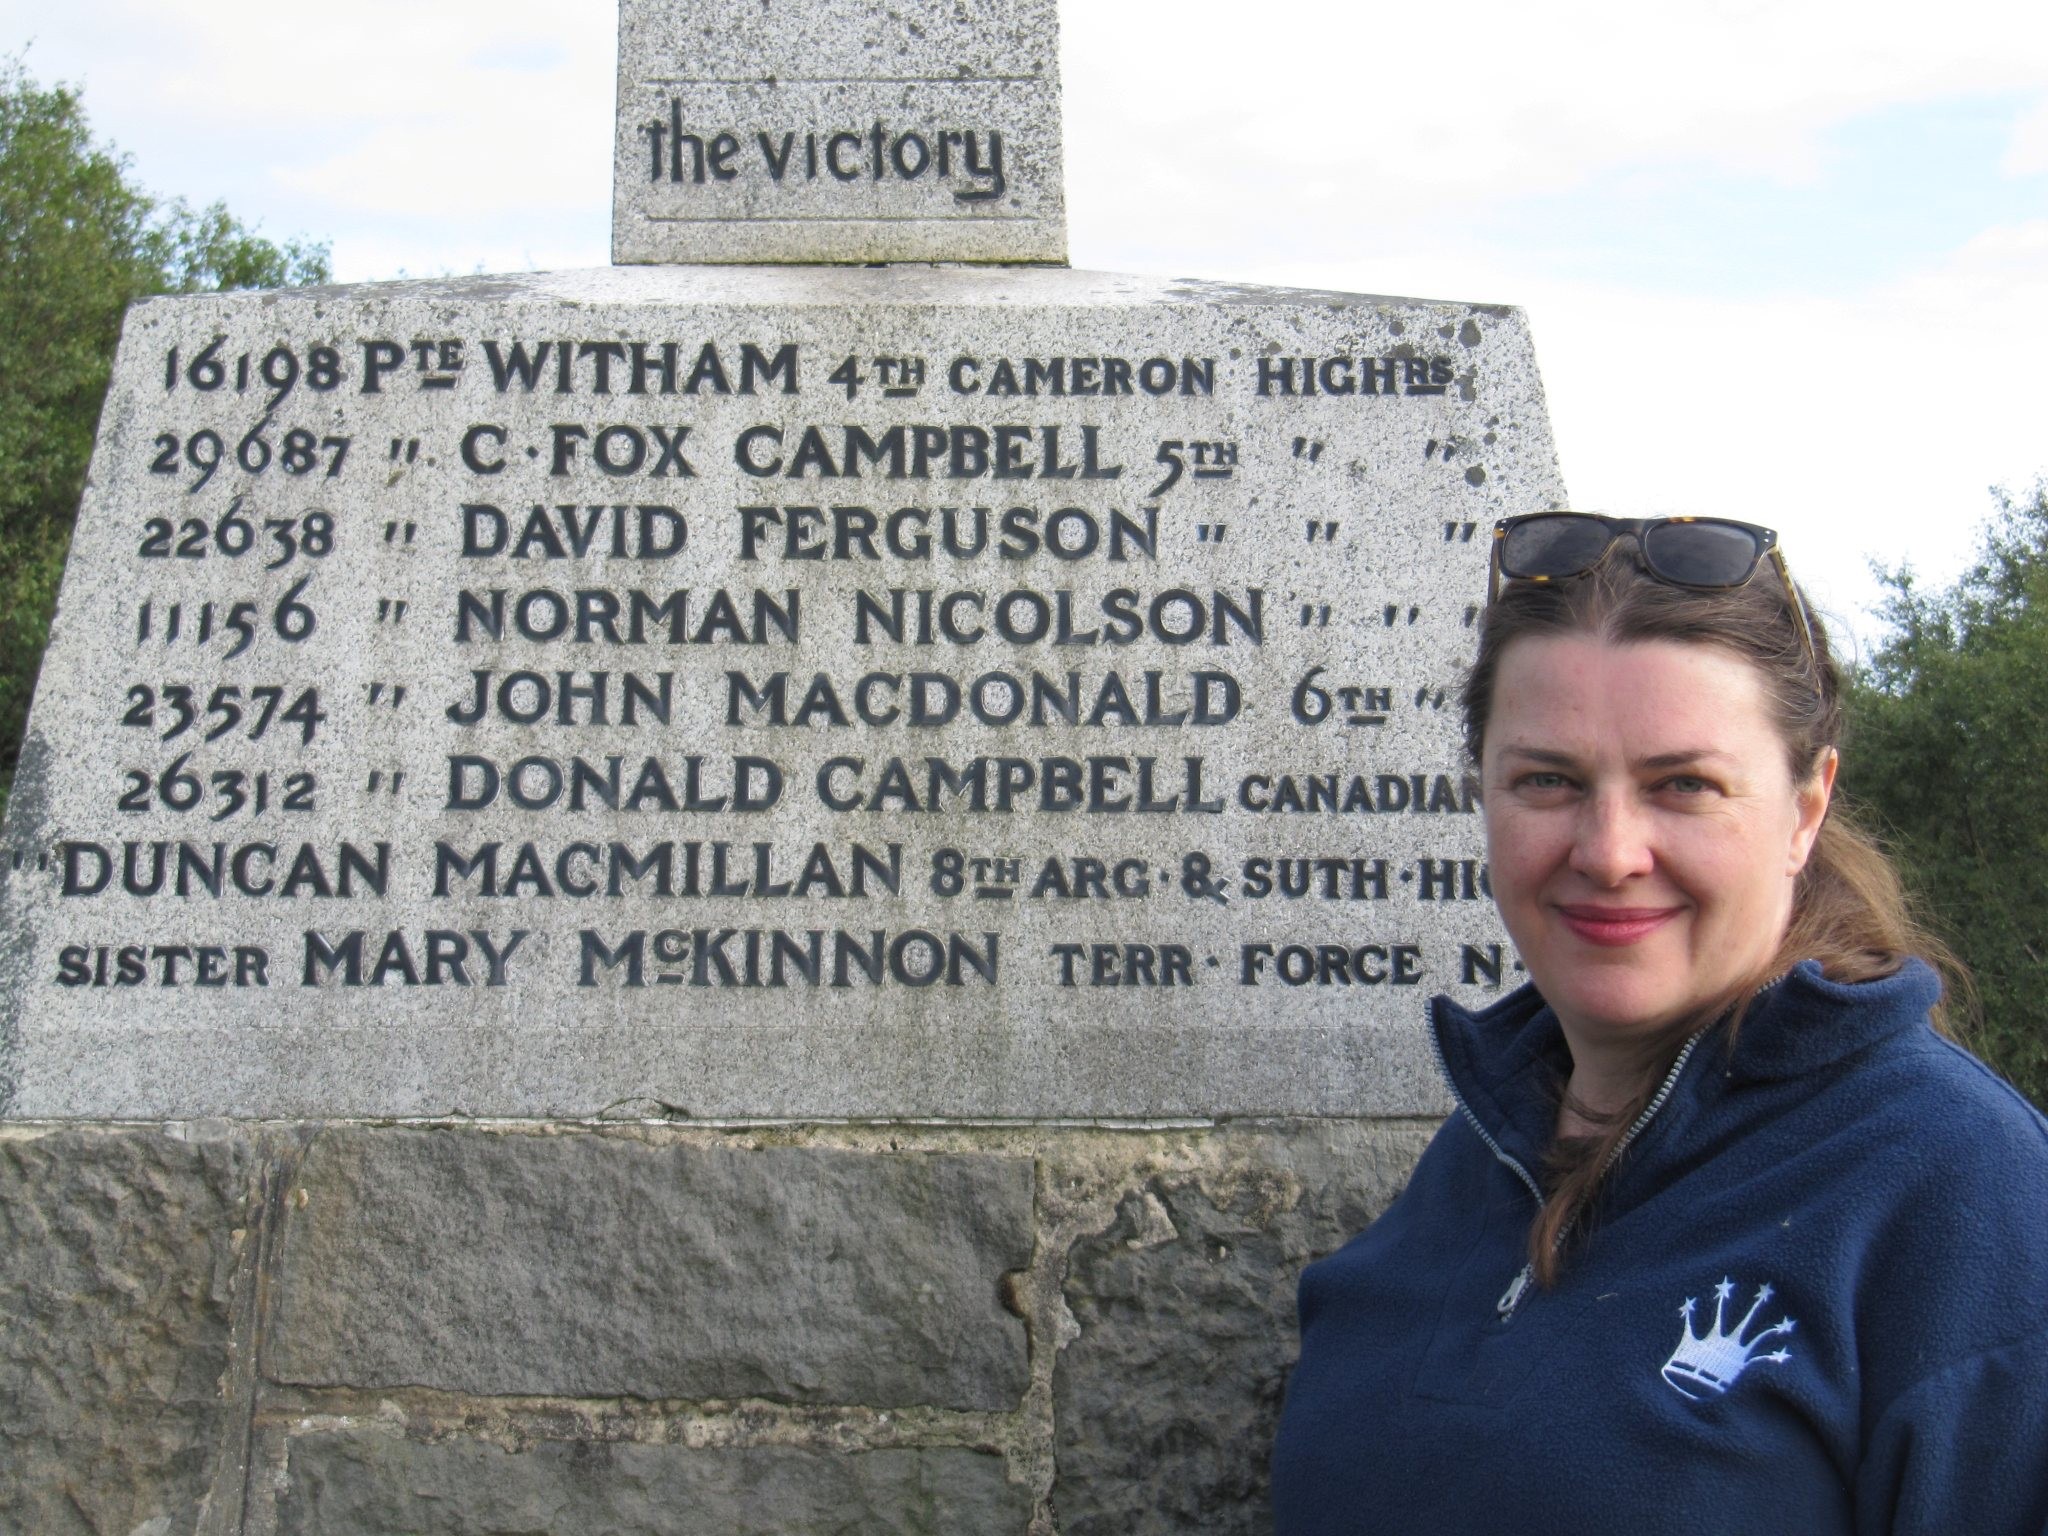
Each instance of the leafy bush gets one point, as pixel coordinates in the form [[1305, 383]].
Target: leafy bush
[[78, 243], [1951, 752]]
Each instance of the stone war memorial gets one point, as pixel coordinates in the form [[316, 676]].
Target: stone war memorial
[[775, 889]]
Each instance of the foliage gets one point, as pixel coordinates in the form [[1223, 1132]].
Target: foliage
[[1950, 752], [79, 241]]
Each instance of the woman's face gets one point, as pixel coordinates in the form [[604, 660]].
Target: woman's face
[[1642, 826]]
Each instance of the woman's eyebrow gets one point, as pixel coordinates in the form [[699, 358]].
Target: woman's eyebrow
[[1680, 758], [1684, 756]]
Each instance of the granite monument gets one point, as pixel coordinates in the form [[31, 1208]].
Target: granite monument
[[913, 791]]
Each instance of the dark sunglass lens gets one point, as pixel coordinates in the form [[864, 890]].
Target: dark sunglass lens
[[1553, 546], [1703, 554]]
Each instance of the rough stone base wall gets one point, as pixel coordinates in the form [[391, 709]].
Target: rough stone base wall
[[774, 1329]]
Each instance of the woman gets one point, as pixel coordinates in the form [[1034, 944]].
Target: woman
[[1724, 1237]]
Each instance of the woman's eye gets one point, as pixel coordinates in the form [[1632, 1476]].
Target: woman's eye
[[1543, 781], [1688, 784]]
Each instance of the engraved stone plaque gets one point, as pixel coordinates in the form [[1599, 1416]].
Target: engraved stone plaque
[[838, 131], [767, 692]]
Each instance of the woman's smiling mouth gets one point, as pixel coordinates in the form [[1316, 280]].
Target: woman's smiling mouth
[[1615, 925]]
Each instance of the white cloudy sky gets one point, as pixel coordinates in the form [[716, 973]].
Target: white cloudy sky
[[1785, 259]]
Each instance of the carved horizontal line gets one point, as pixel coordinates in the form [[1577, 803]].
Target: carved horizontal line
[[822, 218], [845, 80]]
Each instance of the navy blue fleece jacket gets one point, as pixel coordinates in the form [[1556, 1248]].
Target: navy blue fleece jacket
[[1815, 1300]]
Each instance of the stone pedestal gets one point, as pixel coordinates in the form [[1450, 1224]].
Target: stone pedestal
[[647, 1330]]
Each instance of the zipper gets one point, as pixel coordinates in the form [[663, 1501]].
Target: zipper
[[1671, 1080], [1443, 1068], [1656, 1102], [1518, 1288]]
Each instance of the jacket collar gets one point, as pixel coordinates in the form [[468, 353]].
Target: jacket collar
[[1804, 1022], [1504, 1065], [1505, 1062]]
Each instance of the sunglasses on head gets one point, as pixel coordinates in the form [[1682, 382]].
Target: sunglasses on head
[[1704, 553]]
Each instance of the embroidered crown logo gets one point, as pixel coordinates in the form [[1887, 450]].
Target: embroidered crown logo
[[1706, 1365]]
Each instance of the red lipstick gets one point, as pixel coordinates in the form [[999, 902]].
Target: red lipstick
[[1615, 925]]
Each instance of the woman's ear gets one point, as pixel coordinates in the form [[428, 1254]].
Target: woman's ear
[[1812, 799]]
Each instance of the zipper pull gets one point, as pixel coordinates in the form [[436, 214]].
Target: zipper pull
[[1517, 1289]]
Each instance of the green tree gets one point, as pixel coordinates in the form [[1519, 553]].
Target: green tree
[[79, 241], [1950, 749]]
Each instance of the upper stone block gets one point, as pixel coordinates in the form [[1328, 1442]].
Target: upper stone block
[[838, 131]]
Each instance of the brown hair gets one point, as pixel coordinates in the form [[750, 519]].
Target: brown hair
[[1849, 910]]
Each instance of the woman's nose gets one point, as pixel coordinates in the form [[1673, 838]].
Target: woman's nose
[[1612, 840]]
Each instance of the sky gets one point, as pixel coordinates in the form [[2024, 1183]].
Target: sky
[[1784, 260]]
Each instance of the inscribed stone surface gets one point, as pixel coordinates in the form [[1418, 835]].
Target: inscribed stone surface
[[766, 692], [838, 130]]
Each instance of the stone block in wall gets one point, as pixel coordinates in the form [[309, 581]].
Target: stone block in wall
[[1166, 1400], [117, 1253], [348, 1484], [594, 1265]]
